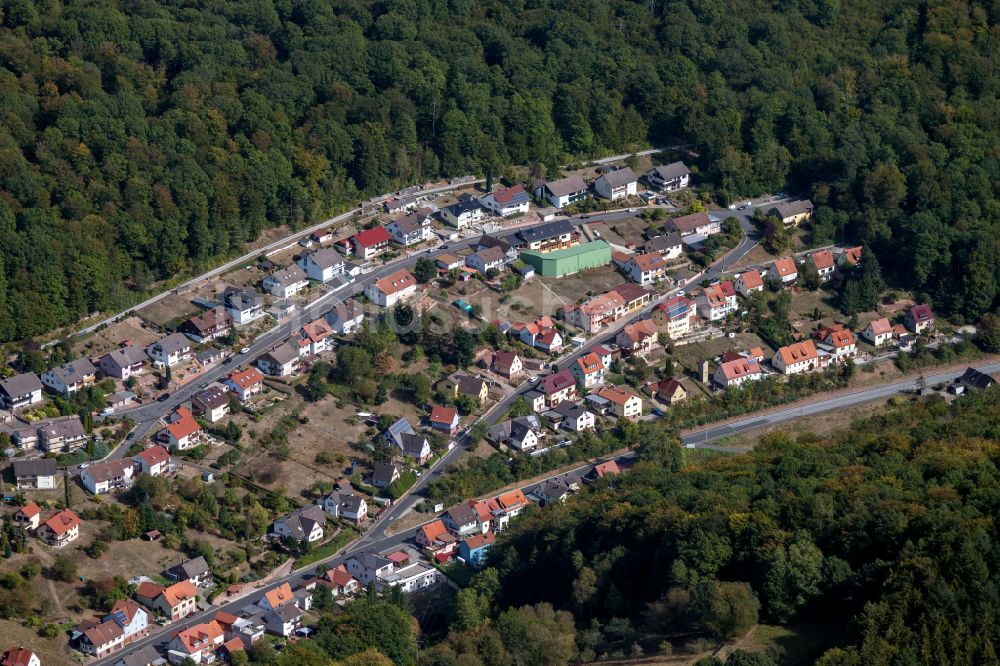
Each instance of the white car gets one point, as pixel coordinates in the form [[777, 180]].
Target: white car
[[245, 350]]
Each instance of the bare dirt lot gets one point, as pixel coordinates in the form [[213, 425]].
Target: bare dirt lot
[[113, 336]]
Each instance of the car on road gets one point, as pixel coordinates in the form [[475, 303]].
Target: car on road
[[245, 350], [163, 398], [130, 436], [228, 361]]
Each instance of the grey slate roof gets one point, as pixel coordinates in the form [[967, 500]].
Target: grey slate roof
[[463, 514], [75, 371], [190, 569], [383, 473], [288, 276], [19, 385], [545, 231], [673, 170], [242, 299], [174, 342], [412, 444], [301, 521], [40, 467], [620, 177], [566, 186]]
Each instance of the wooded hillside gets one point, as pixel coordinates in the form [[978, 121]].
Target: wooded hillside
[[142, 139], [887, 531]]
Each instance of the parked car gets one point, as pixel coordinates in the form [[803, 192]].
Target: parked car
[[245, 350], [163, 398]]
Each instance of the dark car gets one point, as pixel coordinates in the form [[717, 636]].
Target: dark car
[[163, 398]]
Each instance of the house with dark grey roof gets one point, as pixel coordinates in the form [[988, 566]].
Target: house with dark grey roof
[[286, 282], [122, 363], [384, 475], [37, 474], [103, 477], [416, 447], [63, 433], [974, 379], [548, 237], [70, 377], [669, 177], [195, 571], [563, 192], [212, 403], [243, 305], [280, 361], [616, 184], [322, 265], [462, 214], [793, 213], [346, 317], [302, 524], [20, 391], [170, 350]]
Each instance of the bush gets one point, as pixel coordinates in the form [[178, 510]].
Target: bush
[[63, 568]]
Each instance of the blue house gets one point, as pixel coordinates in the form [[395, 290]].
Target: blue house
[[473, 550]]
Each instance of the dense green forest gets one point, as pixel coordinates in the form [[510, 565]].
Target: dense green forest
[[887, 531], [142, 139]]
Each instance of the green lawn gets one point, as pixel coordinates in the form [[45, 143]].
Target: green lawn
[[327, 549]]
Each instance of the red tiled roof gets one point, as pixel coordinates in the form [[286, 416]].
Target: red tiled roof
[[512, 499], [741, 367], [504, 196], [609, 467], [881, 326], [798, 352], [30, 510], [149, 590], [63, 522], [480, 540], [752, 279], [822, 260], [179, 592], [246, 378], [395, 282], [200, 636], [16, 656], [154, 455], [184, 426], [372, 237], [431, 531], [616, 394], [785, 266], [280, 595], [441, 414], [340, 576]]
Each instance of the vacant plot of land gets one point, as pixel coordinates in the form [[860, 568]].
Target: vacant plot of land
[[544, 296], [691, 355], [114, 335], [630, 231], [169, 308]]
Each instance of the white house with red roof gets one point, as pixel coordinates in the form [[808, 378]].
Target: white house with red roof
[[737, 371], [784, 270], [558, 386], [878, 332], [60, 529], [245, 383], [154, 461], [28, 516], [182, 431], [624, 403], [675, 316], [589, 370], [919, 318], [19, 656], [198, 643], [824, 264], [392, 289], [444, 419], [646, 268], [541, 334], [638, 338], [842, 343], [314, 337], [370, 243], [797, 358], [748, 282], [717, 301], [507, 201]]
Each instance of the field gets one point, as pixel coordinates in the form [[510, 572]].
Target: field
[[627, 232]]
